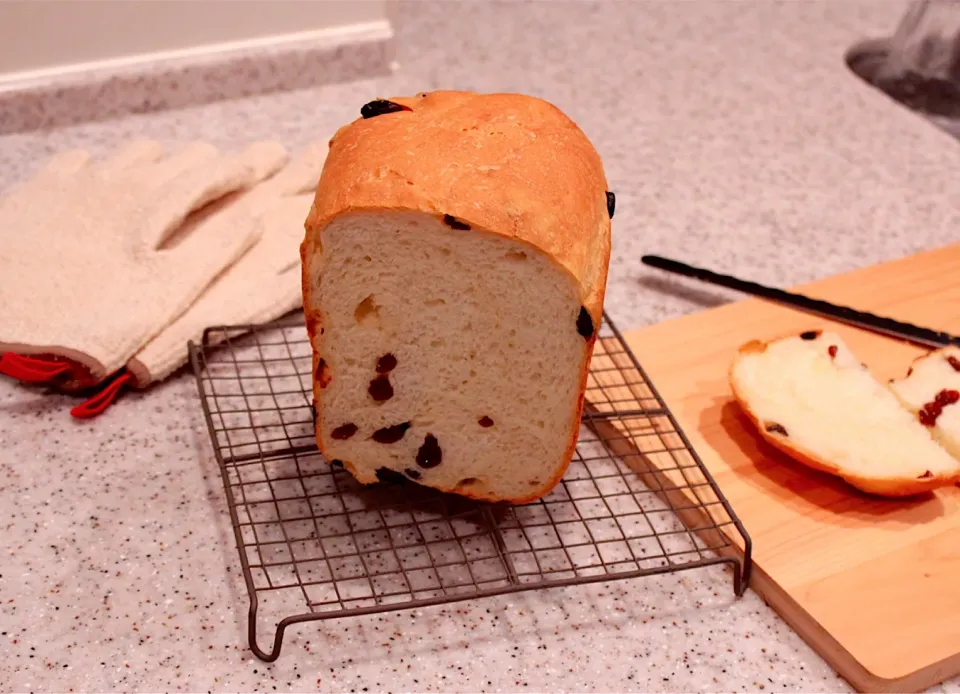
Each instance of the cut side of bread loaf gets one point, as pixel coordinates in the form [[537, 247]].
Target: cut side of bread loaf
[[810, 396], [451, 358], [454, 268], [931, 391]]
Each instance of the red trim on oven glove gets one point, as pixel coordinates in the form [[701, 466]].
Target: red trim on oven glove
[[32, 369], [97, 403]]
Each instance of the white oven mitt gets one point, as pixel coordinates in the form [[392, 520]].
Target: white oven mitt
[[263, 285], [83, 278]]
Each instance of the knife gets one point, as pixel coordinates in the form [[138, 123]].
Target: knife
[[861, 319]]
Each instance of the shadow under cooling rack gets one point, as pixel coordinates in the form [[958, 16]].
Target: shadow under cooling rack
[[316, 544]]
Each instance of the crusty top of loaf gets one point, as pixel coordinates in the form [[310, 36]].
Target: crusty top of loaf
[[512, 164]]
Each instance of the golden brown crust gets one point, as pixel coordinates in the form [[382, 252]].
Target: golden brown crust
[[887, 487], [511, 164], [507, 164]]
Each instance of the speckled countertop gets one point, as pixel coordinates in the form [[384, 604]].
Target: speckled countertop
[[733, 136]]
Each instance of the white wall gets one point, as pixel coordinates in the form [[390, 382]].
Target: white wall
[[57, 35]]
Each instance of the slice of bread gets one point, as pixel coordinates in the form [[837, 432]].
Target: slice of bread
[[931, 391], [810, 396], [454, 268]]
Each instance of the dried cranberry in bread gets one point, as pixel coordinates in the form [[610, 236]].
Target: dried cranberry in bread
[[811, 397], [931, 391], [454, 269]]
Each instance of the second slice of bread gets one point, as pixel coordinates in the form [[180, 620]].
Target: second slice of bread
[[931, 391], [811, 397]]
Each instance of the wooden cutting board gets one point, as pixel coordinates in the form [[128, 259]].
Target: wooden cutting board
[[873, 585]]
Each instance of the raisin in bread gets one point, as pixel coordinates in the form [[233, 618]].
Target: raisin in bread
[[811, 397], [454, 269], [931, 391]]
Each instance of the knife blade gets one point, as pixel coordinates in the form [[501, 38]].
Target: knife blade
[[862, 319]]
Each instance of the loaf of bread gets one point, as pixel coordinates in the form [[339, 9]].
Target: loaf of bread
[[810, 397], [931, 391], [454, 269]]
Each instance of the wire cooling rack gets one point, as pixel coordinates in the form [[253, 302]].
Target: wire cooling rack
[[315, 544]]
